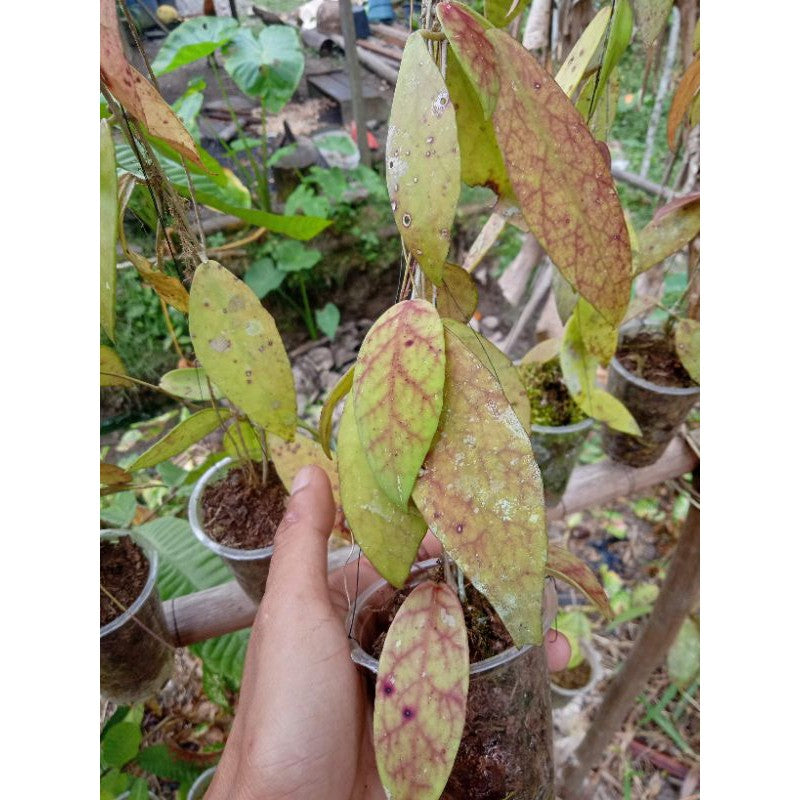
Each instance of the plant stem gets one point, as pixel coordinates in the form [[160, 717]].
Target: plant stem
[[312, 328], [310, 428], [265, 200]]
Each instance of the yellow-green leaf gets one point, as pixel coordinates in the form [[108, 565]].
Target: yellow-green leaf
[[421, 694], [112, 370], [112, 475], [481, 494], [583, 51], [619, 35], [561, 180], [397, 394], [605, 106], [501, 12], [499, 364], [388, 535], [190, 383], [457, 297], [542, 352], [185, 433], [422, 159], [239, 346], [687, 346], [343, 386], [241, 441], [672, 227], [108, 230]]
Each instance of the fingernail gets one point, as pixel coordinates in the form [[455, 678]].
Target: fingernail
[[302, 479]]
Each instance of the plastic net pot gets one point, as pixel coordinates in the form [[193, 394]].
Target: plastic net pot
[[200, 786], [249, 567], [659, 410], [556, 450], [506, 748], [136, 654]]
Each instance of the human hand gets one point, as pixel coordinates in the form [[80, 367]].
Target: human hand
[[303, 726]]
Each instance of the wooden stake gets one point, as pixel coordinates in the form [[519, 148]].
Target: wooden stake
[[354, 73]]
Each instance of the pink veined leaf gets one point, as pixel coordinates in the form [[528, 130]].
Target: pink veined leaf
[[561, 180], [421, 694], [465, 32], [565, 566], [480, 492], [397, 394]]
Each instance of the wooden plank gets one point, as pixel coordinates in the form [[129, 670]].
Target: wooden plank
[[390, 33], [394, 53]]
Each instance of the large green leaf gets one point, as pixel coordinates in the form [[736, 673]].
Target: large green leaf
[[397, 394], [193, 39], [481, 494], [619, 35], [422, 159], [421, 694], [389, 536], [561, 180], [269, 67], [108, 231], [583, 51], [185, 433], [189, 105], [239, 346], [120, 744]]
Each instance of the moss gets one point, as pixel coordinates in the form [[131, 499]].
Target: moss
[[551, 403]]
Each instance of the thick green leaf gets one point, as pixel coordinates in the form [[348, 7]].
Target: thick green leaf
[[579, 368], [605, 106], [192, 40], [422, 159], [687, 346], [672, 227], [239, 346], [120, 744], [457, 297], [619, 35], [683, 659], [108, 231], [481, 160], [573, 69], [465, 32], [268, 67], [343, 387], [185, 433], [264, 277], [242, 441], [111, 367], [565, 566], [388, 535], [481, 494], [190, 383], [421, 694], [651, 17], [562, 181], [499, 364], [397, 394], [328, 318]]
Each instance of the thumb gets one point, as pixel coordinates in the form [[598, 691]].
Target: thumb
[[300, 560]]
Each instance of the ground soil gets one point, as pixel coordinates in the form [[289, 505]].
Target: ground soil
[[551, 403], [650, 355], [123, 574], [241, 512], [573, 678]]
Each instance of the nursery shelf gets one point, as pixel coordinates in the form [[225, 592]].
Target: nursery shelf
[[226, 608]]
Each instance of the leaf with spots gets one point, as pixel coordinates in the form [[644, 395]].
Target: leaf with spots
[[397, 394], [464, 30], [388, 535], [112, 370], [112, 475], [190, 383], [422, 159], [561, 180], [687, 346], [573, 69], [500, 365], [651, 17], [136, 94], [579, 368], [565, 566], [619, 35], [481, 494], [421, 694], [672, 227], [238, 344], [457, 297], [688, 87], [185, 433], [343, 387], [108, 231], [290, 457], [481, 160]]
